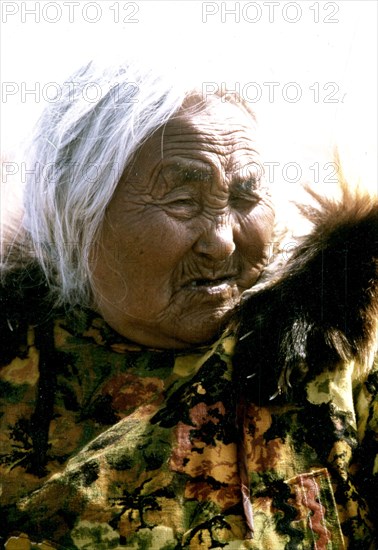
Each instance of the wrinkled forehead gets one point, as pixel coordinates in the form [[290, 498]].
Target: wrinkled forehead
[[216, 132], [218, 112]]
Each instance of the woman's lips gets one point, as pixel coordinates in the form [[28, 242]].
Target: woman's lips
[[212, 286]]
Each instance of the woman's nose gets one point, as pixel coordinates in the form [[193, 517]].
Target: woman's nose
[[217, 240]]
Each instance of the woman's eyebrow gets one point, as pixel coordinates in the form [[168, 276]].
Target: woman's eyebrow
[[192, 173], [189, 172], [243, 184], [246, 184]]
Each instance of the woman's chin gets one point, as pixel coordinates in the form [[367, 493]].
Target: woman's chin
[[202, 329]]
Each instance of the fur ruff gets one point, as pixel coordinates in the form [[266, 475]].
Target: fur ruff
[[321, 311]]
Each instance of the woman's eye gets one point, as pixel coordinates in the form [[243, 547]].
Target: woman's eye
[[245, 194], [182, 202], [183, 208], [244, 202]]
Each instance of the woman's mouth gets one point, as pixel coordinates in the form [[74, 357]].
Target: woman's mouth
[[212, 286]]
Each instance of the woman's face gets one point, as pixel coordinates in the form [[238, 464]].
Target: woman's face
[[186, 231]]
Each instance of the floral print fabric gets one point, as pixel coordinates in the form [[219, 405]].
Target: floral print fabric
[[108, 445]]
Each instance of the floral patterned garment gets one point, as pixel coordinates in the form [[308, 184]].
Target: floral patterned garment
[[107, 445]]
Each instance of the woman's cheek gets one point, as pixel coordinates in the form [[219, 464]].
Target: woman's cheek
[[168, 241], [255, 233], [179, 233], [262, 218]]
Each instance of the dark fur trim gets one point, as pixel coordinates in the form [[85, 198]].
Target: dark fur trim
[[23, 302], [322, 310]]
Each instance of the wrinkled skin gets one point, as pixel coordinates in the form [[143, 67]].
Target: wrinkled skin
[[186, 231]]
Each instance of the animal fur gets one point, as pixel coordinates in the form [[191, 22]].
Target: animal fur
[[322, 310], [23, 302]]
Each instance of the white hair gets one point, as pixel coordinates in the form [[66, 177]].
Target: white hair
[[78, 153]]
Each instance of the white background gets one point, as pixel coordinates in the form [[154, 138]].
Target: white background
[[330, 49]]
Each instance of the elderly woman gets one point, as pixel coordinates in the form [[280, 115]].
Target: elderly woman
[[128, 420]]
